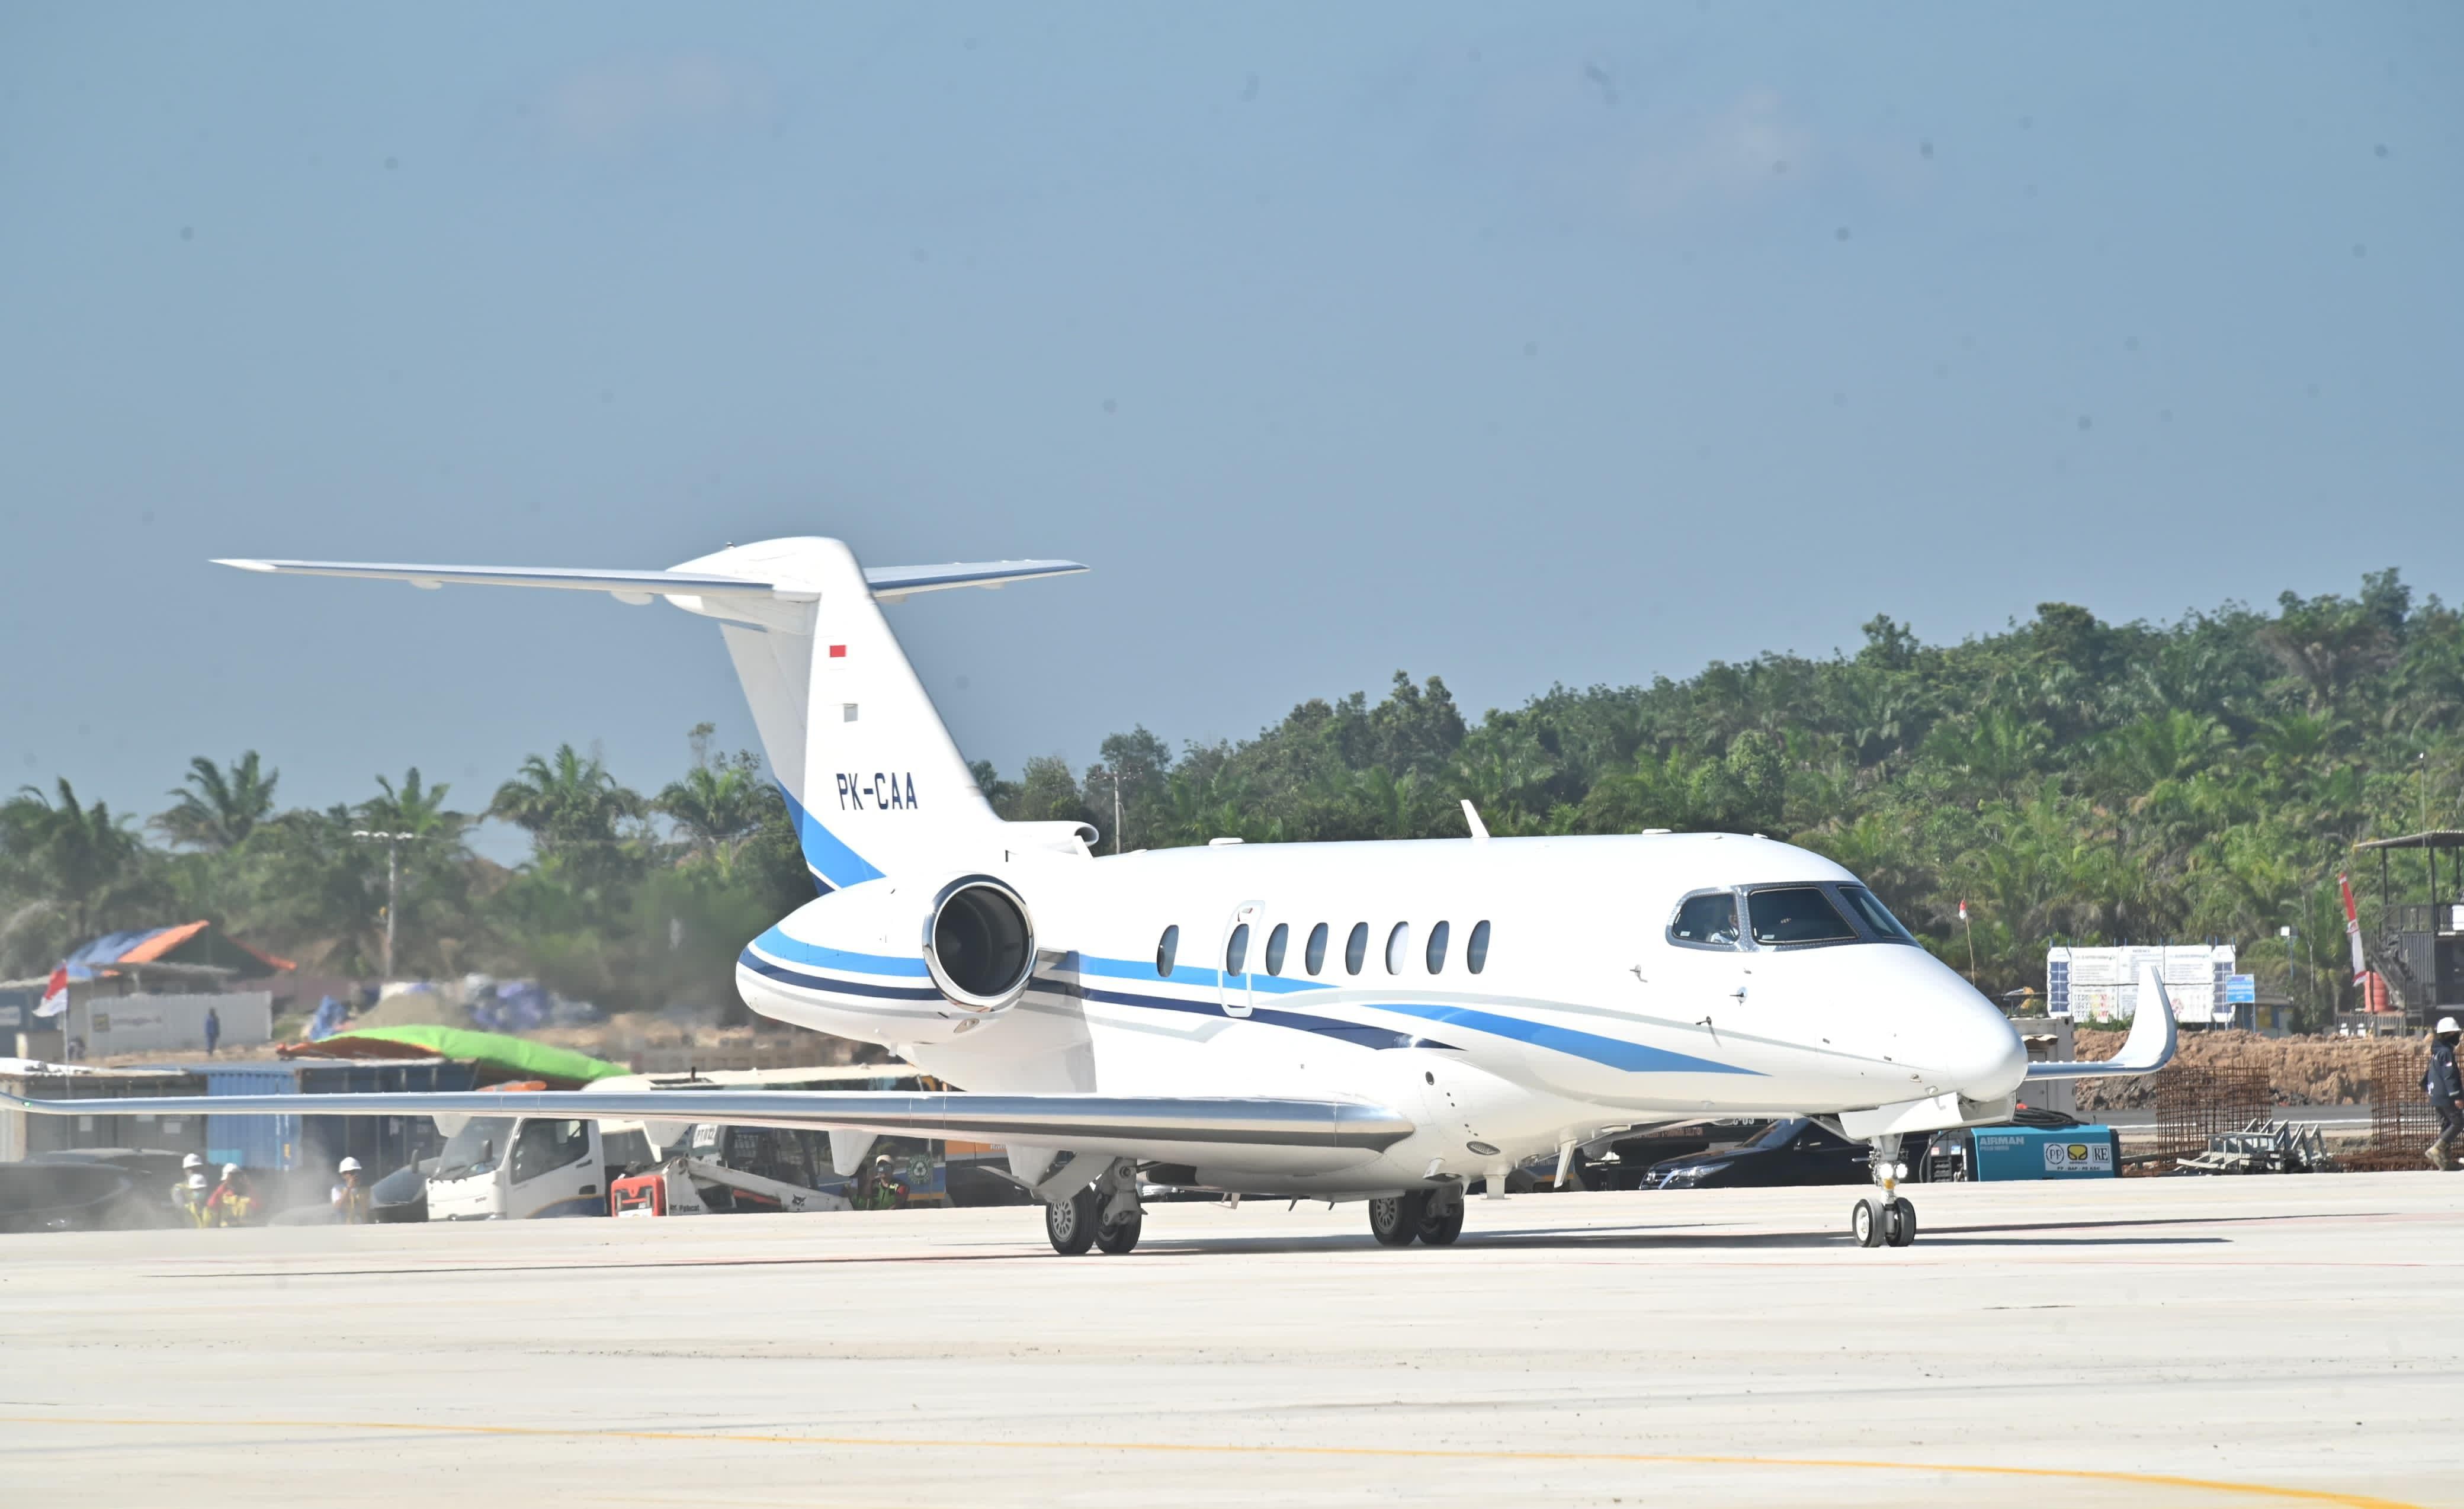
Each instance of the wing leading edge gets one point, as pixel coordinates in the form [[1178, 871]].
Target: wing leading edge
[[2153, 1038], [1115, 1124]]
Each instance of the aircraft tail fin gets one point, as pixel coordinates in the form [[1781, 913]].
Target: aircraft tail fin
[[874, 782]]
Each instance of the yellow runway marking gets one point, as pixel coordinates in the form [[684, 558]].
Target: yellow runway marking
[[2212, 1485]]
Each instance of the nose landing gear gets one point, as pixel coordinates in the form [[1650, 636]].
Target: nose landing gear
[[1884, 1217]]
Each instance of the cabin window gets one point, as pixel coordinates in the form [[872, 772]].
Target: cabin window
[[1316, 955], [1788, 915], [1167, 948], [1399, 945], [1355, 949], [1476, 948], [1708, 921], [1876, 917], [1277, 942], [1236, 950], [1437, 935]]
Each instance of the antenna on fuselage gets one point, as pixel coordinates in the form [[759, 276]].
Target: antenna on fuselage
[[1471, 819]]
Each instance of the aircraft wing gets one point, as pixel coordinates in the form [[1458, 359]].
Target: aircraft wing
[[2149, 1047], [889, 583], [1154, 1126]]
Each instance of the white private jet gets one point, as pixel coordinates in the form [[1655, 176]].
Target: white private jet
[[1382, 1021]]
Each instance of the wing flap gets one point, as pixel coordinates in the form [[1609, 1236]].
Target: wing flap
[[1093, 1123]]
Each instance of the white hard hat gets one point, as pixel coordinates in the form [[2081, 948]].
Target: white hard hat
[[194, 1160], [350, 1166], [197, 1180], [230, 1169], [2447, 1024]]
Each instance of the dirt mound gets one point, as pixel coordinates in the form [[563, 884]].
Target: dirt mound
[[2300, 1071]]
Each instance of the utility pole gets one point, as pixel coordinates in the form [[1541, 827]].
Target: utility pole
[[393, 842]]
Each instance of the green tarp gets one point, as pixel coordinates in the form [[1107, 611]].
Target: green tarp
[[523, 1059]]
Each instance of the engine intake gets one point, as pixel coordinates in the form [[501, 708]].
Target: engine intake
[[978, 943]]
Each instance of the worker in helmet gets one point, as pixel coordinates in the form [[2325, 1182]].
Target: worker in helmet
[[2446, 1091], [191, 1196], [350, 1197], [193, 1164], [233, 1202], [886, 1193]]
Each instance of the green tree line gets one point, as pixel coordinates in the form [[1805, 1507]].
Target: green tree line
[[2070, 780]]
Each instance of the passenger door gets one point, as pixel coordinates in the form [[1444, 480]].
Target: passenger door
[[554, 1168], [1234, 980]]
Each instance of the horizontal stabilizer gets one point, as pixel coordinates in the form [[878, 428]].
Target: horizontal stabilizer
[[1115, 1124], [889, 583], [2149, 1047]]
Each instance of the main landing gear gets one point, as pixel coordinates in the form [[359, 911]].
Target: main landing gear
[[1105, 1213], [1884, 1217], [1434, 1217]]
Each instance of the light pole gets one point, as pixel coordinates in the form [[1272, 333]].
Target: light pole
[[393, 842]]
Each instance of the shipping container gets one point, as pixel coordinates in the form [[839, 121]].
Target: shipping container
[[309, 1141], [23, 1135]]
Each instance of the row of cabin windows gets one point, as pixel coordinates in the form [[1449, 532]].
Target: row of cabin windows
[[1355, 949]]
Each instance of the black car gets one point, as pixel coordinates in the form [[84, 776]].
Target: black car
[[1794, 1151]]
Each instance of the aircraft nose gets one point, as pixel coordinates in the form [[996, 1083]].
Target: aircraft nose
[[1981, 1052]]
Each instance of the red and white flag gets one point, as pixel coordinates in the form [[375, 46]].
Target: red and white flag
[[2353, 928], [1963, 909], [55, 994]]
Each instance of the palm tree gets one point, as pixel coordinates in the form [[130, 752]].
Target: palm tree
[[81, 854], [413, 810], [219, 808], [566, 799], [717, 805]]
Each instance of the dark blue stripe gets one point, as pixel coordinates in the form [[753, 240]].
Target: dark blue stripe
[[1616, 1052], [1361, 1034], [836, 986]]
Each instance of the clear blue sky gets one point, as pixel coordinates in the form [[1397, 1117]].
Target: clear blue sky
[[1578, 344]]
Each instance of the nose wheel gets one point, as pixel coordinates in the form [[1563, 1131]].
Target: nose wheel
[[1884, 1217], [1880, 1220]]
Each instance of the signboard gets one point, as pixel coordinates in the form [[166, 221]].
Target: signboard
[[2030, 1152], [2241, 990], [2102, 984]]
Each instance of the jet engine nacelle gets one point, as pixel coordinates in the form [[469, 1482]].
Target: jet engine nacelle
[[973, 931]]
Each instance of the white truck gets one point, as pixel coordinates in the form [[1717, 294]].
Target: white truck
[[525, 1167]]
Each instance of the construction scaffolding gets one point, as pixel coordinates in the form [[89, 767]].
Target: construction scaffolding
[[2196, 1105], [2401, 1120]]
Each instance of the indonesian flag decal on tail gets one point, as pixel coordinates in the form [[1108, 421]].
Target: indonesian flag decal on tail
[[55, 994]]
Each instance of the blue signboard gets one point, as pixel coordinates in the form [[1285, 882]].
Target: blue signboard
[[2241, 990]]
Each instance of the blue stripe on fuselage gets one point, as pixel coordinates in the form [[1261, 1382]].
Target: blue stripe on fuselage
[[1616, 1052], [796, 951]]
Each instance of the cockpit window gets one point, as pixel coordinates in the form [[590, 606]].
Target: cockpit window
[[1876, 916], [1796, 914], [1708, 920]]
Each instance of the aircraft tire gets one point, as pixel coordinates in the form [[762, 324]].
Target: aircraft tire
[[1071, 1223], [1865, 1222], [1395, 1221], [1440, 1229], [1900, 1225], [1122, 1235]]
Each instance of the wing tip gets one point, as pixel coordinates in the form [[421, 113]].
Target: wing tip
[[244, 564]]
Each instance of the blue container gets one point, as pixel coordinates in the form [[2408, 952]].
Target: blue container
[[309, 1141], [2030, 1152]]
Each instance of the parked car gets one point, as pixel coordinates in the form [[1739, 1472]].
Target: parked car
[[1794, 1151]]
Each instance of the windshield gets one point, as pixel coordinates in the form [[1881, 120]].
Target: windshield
[[463, 1153], [1796, 914], [1876, 916], [1776, 1134], [1706, 921]]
